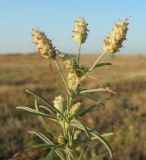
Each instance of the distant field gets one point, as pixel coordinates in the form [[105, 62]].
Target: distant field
[[125, 114]]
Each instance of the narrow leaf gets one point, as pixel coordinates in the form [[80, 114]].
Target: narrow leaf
[[44, 108], [79, 125], [50, 106], [94, 134], [103, 141], [43, 121], [50, 155], [102, 64], [46, 140], [92, 98], [99, 102], [83, 153], [33, 111], [107, 134], [93, 90], [40, 98], [68, 151], [41, 136], [102, 155], [58, 152], [46, 146]]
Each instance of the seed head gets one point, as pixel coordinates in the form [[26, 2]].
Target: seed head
[[80, 30], [43, 44], [75, 108], [61, 139], [72, 81], [78, 148], [113, 42], [59, 102]]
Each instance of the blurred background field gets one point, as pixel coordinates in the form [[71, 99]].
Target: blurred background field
[[124, 114]]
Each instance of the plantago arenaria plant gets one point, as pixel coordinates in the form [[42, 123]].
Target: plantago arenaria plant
[[66, 110]]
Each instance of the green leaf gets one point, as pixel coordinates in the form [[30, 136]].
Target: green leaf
[[92, 98], [86, 130], [46, 146], [46, 140], [81, 68], [41, 99], [81, 126], [44, 108], [99, 102], [43, 121], [102, 155], [68, 151], [107, 134], [83, 154], [94, 134], [33, 111], [58, 152], [93, 90], [50, 155], [102, 64], [41, 136], [103, 141], [50, 106]]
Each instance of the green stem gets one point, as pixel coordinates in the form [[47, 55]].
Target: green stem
[[61, 74], [79, 51], [98, 59], [94, 64]]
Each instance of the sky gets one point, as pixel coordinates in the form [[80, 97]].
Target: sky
[[56, 18]]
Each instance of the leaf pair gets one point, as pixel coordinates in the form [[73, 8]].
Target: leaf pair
[[49, 107]]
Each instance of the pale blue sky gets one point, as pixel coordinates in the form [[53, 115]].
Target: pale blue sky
[[56, 18]]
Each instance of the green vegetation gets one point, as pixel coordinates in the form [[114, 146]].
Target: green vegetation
[[124, 114]]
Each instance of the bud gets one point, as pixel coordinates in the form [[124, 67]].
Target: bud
[[61, 139], [80, 30], [75, 108], [58, 102], [43, 44], [72, 81], [114, 41], [77, 134], [78, 149]]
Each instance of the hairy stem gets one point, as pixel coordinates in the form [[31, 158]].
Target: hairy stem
[[61, 74], [79, 51], [98, 59], [94, 64]]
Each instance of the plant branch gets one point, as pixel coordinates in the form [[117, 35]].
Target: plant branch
[[94, 64]]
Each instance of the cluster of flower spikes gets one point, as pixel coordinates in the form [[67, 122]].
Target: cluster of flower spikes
[[43, 44], [59, 104], [113, 42]]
